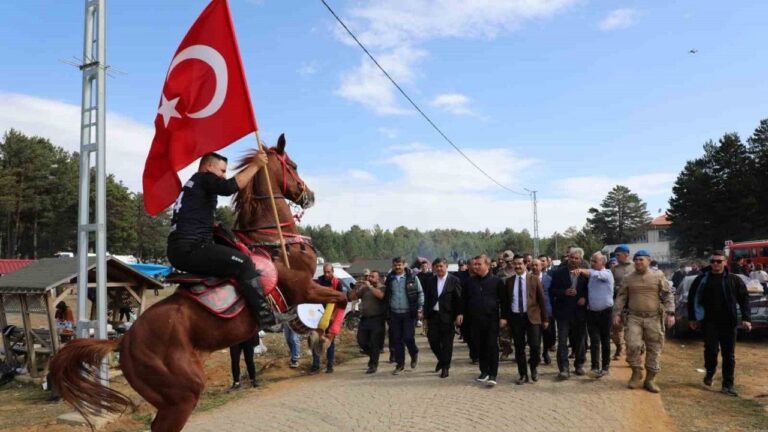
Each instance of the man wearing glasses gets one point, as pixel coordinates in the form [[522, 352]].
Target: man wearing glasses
[[712, 307], [648, 298]]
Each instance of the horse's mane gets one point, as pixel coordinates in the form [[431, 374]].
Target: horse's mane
[[245, 206]]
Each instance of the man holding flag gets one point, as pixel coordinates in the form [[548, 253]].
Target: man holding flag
[[204, 106]]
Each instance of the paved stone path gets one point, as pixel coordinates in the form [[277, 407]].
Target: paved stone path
[[418, 400]]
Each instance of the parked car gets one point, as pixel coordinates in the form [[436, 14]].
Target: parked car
[[758, 303]]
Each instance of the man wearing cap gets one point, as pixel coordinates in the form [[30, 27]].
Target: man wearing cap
[[649, 301], [622, 268], [505, 337]]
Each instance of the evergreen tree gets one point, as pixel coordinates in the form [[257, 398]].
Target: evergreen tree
[[758, 151], [622, 217], [715, 198]]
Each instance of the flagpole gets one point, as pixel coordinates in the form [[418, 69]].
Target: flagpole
[[272, 199]]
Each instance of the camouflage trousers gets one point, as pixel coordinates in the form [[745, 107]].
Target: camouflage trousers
[[644, 334], [617, 335]]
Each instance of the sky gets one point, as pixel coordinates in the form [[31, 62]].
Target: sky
[[565, 97]]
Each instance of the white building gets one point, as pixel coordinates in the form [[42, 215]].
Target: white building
[[655, 241]]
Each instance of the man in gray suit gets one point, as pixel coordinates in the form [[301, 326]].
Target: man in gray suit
[[442, 303]]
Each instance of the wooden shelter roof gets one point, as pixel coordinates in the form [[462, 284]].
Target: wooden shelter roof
[[48, 273]]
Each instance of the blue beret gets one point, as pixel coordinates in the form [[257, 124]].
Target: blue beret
[[621, 248], [642, 253]]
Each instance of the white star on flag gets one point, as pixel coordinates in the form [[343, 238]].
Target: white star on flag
[[168, 109]]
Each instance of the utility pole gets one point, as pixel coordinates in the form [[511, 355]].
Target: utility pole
[[92, 145], [535, 222]]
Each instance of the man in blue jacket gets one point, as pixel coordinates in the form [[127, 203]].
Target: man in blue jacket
[[712, 303], [568, 292], [404, 303]]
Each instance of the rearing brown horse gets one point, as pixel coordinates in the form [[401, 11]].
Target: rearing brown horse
[[163, 353]]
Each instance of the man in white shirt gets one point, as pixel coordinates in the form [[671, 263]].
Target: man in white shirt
[[442, 303], [523, 309]]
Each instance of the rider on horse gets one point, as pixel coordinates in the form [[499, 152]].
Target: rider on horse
[[190, 244]]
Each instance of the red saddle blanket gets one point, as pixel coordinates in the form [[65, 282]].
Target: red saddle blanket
[[219, 295]]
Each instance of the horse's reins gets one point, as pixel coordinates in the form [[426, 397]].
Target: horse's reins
[[302, 198]]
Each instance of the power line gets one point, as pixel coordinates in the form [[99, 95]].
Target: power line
[[415, 106]]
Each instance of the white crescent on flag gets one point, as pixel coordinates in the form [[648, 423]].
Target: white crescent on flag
[[216, 61]]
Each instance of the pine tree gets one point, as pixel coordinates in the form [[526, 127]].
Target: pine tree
[[758, 151], [622, 217]]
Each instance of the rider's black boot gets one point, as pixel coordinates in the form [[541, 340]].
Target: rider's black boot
[[253, 294]]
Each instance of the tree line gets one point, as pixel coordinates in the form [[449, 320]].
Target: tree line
[[722, 194], [39, 205]]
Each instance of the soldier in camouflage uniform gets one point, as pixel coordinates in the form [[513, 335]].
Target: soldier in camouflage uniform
[[623, 268], [648, 298]]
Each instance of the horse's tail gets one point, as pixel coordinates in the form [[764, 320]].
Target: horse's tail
[[75, 374]]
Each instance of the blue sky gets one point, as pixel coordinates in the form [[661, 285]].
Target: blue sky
[[568, 97]]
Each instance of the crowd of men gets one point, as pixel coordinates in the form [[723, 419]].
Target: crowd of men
[[530, 307]]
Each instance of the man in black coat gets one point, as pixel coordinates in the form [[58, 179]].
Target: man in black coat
[[480, 296], [568, 292], [442, 303], [712, 303]]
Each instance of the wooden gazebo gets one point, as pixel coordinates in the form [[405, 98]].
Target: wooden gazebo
[[38, 287]]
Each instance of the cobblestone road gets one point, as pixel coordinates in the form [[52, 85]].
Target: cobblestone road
[[349, 400]]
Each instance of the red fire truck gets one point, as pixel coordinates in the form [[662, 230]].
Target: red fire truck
[[754, 250]]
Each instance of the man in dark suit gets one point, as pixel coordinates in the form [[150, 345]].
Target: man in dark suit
[[569, 305], [523, 312], [442, 303], [480, 297]]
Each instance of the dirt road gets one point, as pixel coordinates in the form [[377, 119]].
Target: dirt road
[[349, 400]]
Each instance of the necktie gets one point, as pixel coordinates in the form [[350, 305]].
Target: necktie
[[520, 294]]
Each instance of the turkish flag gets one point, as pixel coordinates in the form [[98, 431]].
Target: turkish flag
[[205, 104]]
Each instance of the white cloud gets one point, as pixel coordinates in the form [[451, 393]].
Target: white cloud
[[368, 86], [308, 68], [444, 170], [361, 175], [653, 184], [408, 147], [390, 26], [391, 23], [127, 140], [454, 103], [388, 132], [431, 188], [618, 19]]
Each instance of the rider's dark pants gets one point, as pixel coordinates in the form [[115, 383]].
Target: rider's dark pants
[[209, 258]]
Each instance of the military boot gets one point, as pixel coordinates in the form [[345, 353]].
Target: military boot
[[637, 378], [649, 384]]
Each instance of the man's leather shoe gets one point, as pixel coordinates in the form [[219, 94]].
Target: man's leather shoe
[[522, 380], [415, 361], [444, 373], [534, 375], [398, 370], [563, 375], [547, 359], [728, 390], [708, 378], [371, 370], [580, 371]]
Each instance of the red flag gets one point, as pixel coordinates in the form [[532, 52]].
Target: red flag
[[204, 106]]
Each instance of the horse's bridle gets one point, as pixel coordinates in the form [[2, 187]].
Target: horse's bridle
[[303, 198]]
